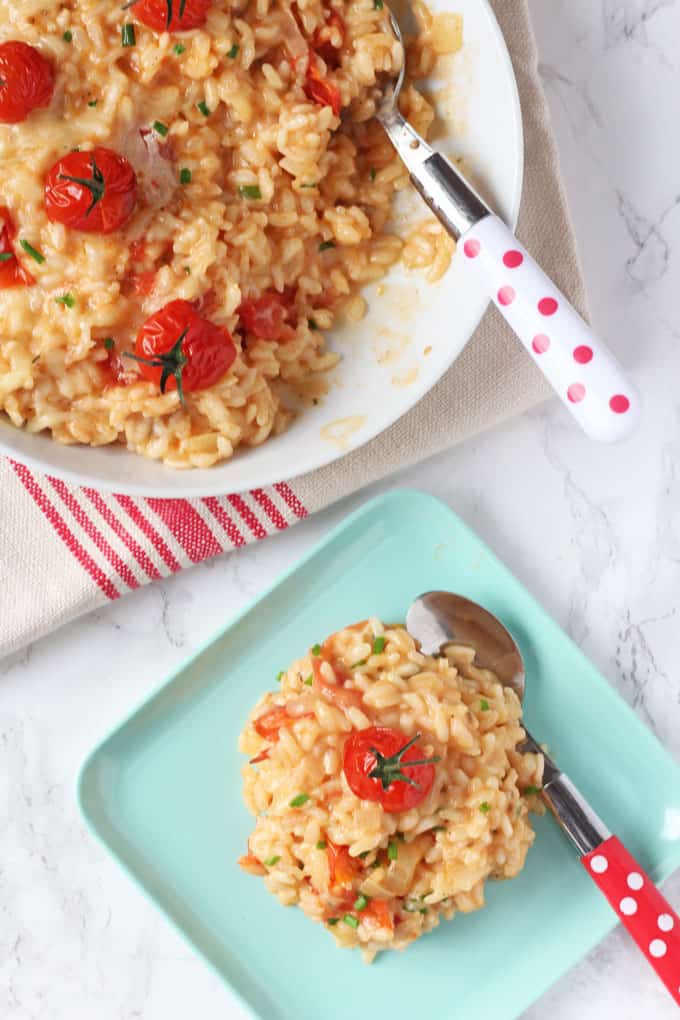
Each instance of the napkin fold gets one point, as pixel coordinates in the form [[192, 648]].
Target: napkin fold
[[65, 550]]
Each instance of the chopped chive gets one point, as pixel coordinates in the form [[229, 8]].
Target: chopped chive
[[378, 645], [325, 245], [352, 922], [393, 851], [36, 359], [185, 175], [250, 191], [312, 184], [66, 299], [361, 902], [378, 5], [364, 855], [160, 128], [187, 270], [438, 828], [67, 36], [203, 107], [93, 102], [401, 837], [372, 173], [179, 49], [109, 343], [233, 52], [332, 920], [301, 799], [33, 252], [309, 680], [127, 36], [485, 807], [312, 324], [423, 910], [6, 256], [321, 845], [271, 861], [484, 705], [280, 675], [376, 864], [531, 791], [316, 650], [361, 662]]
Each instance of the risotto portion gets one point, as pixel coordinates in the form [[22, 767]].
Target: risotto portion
[[386, 786], [192, 193]]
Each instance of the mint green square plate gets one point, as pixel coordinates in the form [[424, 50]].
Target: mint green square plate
[[162, 792]]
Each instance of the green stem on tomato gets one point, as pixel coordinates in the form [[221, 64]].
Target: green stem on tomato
[[95, 184], [389, 769], [172, 363]]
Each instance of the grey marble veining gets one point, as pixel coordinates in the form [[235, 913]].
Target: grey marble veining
[[594, 533]]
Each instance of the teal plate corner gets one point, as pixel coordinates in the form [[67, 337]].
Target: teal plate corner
[[162, 791]]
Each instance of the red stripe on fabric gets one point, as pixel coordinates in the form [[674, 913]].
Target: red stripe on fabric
[[123, 534], [160, 545], [288, 496], [62, 529], [248, 516], [188, 527], [272, 511], [222, 517], [93, 533]]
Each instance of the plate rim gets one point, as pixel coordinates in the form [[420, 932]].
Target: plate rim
[[325, 457], [396, 497]]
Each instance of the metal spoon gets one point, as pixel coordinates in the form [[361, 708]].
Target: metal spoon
[[439, 618], [582, 370]]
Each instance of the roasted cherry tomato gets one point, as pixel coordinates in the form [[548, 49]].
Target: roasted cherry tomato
[[26, 81], [341, 867], [172, 15], [267, 316], [380, 764], [321, 41], [93, 191], [319, 90], [178, 349], [12, 273]]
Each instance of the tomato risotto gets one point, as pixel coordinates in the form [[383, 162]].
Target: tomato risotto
[[386, 786], [192, 194]]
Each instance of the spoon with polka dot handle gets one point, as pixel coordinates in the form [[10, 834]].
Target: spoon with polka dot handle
[[581, 369], [439, 618]]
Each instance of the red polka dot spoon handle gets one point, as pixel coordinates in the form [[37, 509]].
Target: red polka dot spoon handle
[[641, 908], [583, 372]]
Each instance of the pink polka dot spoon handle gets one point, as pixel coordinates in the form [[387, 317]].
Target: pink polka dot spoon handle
[[579, 366], [641, 908], [583, 372]]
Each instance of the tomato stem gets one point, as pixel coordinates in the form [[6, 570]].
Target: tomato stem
[[388, 769], [95, 184], [172, 363]]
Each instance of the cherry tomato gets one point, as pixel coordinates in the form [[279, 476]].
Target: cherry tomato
[[178, 349], [319, 90], [341, 867], [12, 273], [381, 764], [377, 915], [93, 191], [321, 41], [266, 317], [172, 15], [26, 81]]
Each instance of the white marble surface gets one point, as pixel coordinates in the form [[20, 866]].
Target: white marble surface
[[594, 533]]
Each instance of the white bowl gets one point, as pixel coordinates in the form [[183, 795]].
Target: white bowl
[[386, 366]]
